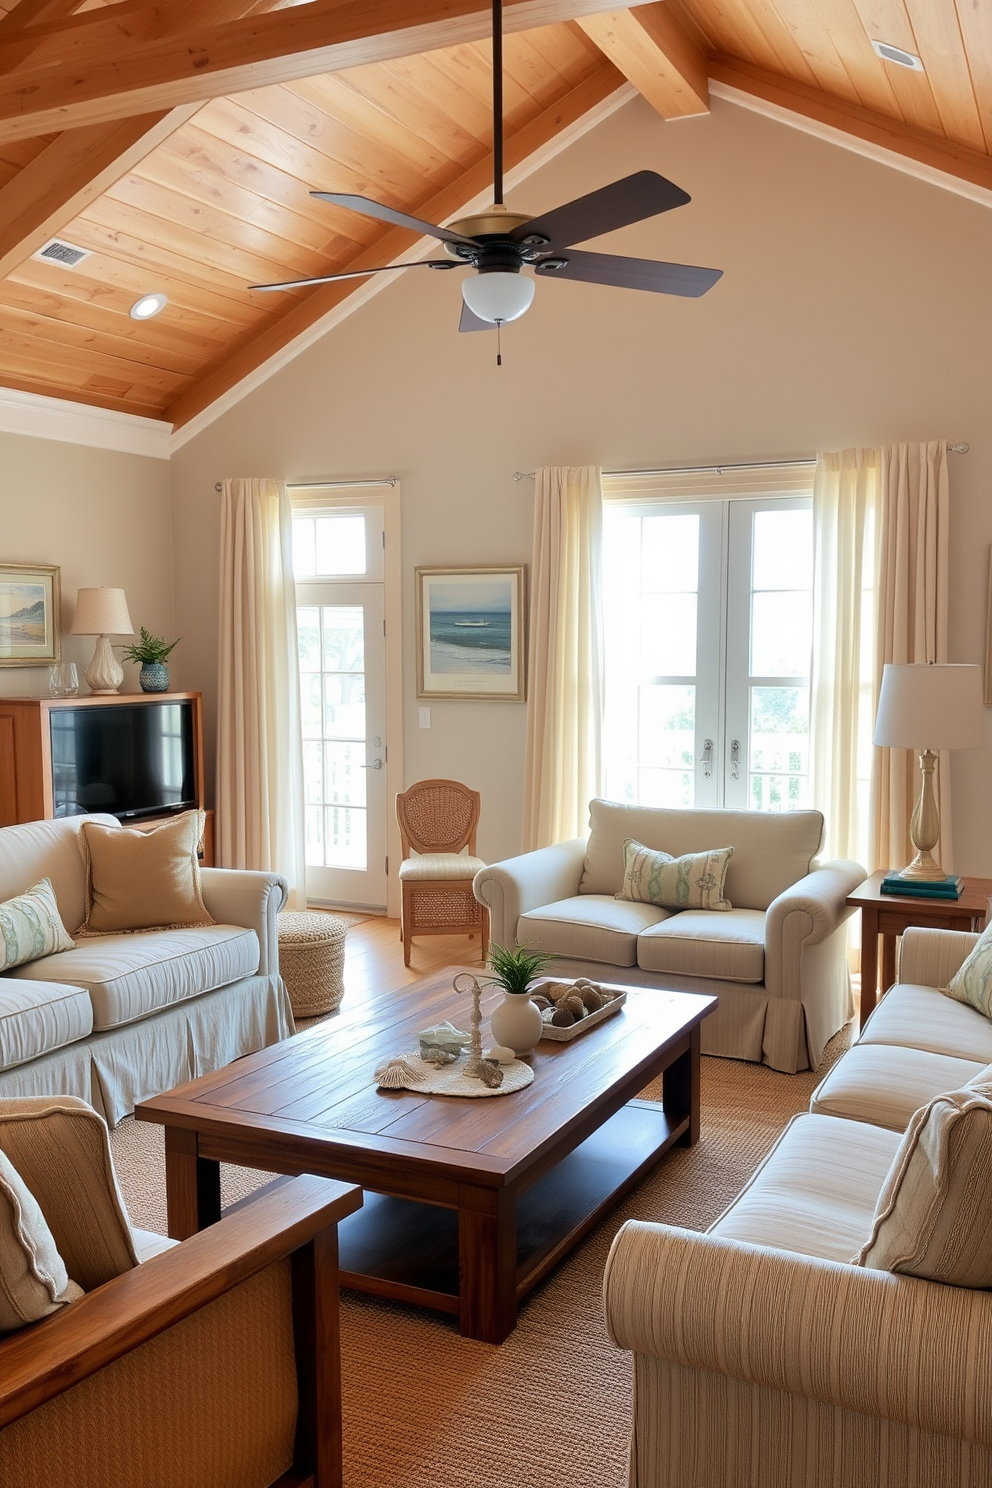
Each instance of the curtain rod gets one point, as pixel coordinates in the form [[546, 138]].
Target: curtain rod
[[322, 485], [519, 475]]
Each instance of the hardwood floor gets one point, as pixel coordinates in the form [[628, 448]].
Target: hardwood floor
[[374, 957]]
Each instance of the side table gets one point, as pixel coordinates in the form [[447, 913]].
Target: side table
[[888, 915]]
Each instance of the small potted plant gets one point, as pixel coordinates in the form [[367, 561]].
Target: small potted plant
[[151, 651], [517, 1022]]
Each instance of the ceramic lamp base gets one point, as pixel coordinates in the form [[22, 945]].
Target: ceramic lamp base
[[104, 673]]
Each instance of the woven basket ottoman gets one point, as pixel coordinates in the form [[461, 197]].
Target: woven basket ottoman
[[311, 960]]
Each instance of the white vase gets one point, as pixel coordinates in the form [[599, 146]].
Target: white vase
[[517, 1023]]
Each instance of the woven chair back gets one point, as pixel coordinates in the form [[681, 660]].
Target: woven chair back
[[438, 816]]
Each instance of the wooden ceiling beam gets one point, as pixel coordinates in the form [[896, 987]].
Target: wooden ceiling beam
[[934, 151], [30, 13], [653, 52], [215, 60], [519, 147]]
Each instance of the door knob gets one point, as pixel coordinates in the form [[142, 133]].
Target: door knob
[[375, 764], [708, 758], [735, 759]]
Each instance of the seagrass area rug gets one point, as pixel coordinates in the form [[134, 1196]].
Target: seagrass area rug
[[550, 1407]]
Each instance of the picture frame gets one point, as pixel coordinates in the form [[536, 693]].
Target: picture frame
[[30, 614], [988, 639], [471, 637]]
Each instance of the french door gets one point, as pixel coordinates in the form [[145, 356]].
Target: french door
[[340, 624], [708, 611]]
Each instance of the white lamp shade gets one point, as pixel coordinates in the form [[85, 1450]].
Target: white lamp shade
[[501, 295], [101, 612], [930, 707]]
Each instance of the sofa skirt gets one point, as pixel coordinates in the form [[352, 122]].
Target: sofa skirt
[[116, 1069], [747, 1023]]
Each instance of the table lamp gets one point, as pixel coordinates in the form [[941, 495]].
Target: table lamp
[[103, 613], [929, 707]]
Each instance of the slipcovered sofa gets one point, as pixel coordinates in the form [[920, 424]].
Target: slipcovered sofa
[[123, 1017], [763, 1358], [777, 960]]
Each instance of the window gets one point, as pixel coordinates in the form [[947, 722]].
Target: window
[[708, 621]]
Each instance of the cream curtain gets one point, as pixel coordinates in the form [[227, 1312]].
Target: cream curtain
[[845, 505], [565, 656], [260, 820], [912, 627]]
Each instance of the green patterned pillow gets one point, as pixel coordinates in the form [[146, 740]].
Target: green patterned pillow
[[31, 927], [973, 981], [691, 882]]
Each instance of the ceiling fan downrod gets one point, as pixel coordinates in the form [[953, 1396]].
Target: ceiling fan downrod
[[498, 103]]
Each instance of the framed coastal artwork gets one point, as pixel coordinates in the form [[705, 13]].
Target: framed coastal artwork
[[30, 614], [470, 632]]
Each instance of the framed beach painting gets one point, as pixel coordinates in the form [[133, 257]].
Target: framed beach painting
[[470, 633], [30, 614]]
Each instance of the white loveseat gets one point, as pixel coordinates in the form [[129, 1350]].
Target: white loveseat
[[123, 1017], [777, 960], [762, 1357]]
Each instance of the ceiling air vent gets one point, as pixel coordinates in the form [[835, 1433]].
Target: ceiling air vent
[[60, 252], [890, 53]]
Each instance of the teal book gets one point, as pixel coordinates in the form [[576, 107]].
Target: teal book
[[918, 888]]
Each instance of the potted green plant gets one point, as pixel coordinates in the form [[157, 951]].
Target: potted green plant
[[516, 1023], [151, 651]]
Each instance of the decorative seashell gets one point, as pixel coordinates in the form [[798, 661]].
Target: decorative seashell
[[500, 1054], [444, 1036], [575, 1005], [394, 1074], [490, 1074], [563, 1017], [435, 1054]]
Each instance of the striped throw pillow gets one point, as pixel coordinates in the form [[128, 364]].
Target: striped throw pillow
[[694, 881]]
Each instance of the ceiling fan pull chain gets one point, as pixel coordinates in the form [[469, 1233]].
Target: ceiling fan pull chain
[[499, 343]]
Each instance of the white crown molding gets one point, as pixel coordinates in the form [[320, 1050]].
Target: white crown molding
[[866, 148], [41, 417], [360, 297]]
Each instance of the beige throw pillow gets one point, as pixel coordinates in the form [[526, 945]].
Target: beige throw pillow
[[31, 926], [972, 982], [933, 1217], [33, 1278], [143, 880], [694, 881]]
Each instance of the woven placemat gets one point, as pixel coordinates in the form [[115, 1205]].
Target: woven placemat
[[450, 1079]]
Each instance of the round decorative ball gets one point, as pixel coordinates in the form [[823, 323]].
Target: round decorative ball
[[311, 960]]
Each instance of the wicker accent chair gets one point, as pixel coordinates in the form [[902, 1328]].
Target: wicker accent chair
[[438, 821]]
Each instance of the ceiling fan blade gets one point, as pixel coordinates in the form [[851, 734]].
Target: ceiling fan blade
[[430, 263], [632, 273], [372, 208], [472, 322], [632, 199]]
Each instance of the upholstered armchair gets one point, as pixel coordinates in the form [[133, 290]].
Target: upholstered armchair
[[213, 1363]]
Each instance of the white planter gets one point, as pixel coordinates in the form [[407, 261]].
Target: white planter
[[517, 1023]]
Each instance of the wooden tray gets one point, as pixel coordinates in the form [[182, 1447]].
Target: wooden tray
[[575, 1030]]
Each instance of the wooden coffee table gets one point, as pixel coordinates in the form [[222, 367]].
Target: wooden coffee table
[[469, 1202]]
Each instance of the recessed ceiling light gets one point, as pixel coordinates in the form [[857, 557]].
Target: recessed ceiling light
[[148, 306], [901, 58]]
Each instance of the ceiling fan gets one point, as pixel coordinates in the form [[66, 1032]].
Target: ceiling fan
[[497, 243]]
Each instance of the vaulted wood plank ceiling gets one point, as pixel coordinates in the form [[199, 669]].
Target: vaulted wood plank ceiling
[[208, 192]]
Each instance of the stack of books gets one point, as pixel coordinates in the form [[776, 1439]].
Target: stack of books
[[922, 888]]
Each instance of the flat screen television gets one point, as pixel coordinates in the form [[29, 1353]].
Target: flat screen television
[[128, 759]]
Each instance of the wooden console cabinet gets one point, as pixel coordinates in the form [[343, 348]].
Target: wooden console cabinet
[[26, 756]]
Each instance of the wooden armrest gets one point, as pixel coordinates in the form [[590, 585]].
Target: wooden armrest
[[43, 1361]]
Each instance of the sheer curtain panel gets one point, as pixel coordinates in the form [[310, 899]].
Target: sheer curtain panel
[[914, 508], [565, 656], [845, 505], [260, 822]]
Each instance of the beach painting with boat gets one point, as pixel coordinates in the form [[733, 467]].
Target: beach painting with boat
[[470, 632]]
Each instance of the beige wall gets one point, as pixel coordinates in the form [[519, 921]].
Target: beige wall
[[856, 308], [104, 518]]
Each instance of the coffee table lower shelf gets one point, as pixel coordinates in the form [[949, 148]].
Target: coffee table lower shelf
[[409, 1251]]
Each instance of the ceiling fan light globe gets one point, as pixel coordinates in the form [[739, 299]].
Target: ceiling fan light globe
[[498, 296]]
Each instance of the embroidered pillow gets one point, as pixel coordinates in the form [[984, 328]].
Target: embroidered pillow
[[143, 880], [934, 1213], [31, 927], [33, 1278], [694, 881], [972, 982]]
